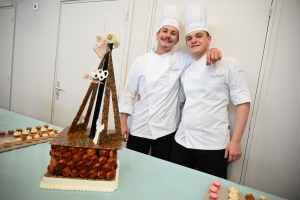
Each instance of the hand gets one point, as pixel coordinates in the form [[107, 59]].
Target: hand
[[213, 55], [138, 96], [233, 151], [125, 132]]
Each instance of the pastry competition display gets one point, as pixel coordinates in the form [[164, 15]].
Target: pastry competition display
[[84, 158], [217, 192]]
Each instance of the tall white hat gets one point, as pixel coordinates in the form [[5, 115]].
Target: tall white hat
[[172, 15], [195, 18]]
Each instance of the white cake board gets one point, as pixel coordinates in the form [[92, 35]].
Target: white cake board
[[83, 185]]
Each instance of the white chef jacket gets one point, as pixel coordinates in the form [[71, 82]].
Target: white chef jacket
[[156, 78], [205, 123]]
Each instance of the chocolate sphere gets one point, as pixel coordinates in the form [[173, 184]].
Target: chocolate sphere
[[66, 171], [93, 173], [56, 170], [89, 166], [67, 156], [61, 163], [101, 174], [102, 160], [54, 147], [112, 161], [52, 153], [76, 157], [75, 172], [85, 158], [91, 152], [73, 150], [84, 173], [50, 168], [57, 155], [80, 165], [104, 152], [71, 164], [81, 151], [106, 168], [94, 159], [113, 153], [110, 175], [98, 167], [63, 149], [115, 166], [53, 162]]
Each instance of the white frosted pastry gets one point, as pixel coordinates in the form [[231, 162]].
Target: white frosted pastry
[[233, 196], [50, 128], [33, 131], [26, 132], [262, 197], [28, 139], [51, 134], [45, 136], [36, 138], [17, 134], [43, 129], [233, 190]]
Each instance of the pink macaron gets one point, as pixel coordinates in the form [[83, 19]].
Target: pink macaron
[[213, 189], [213, 196], [217, 184]]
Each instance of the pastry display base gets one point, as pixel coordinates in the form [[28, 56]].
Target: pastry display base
[[223, 194], [81, 184]]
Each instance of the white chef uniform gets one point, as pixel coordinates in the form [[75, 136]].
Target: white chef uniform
[[156, 78], [205, 123]]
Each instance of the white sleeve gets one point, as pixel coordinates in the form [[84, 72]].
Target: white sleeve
[[130, 90], [239, 92]]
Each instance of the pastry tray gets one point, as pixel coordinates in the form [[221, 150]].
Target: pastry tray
[[223, 194]]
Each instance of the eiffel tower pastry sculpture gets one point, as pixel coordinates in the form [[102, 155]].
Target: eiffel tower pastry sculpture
[[89, 156]]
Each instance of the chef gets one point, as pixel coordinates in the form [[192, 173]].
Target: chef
[[202, 140], [155, 76]]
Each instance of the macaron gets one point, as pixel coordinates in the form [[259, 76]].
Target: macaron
[[217, 184], [2, 133], [213, 196], [7, 143], [213, 189], [18, 141]]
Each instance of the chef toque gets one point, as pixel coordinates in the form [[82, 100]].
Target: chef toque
[[171, 16], [195, 18]]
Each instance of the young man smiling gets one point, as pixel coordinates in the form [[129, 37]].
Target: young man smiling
[[155, 76], [203, 136]]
